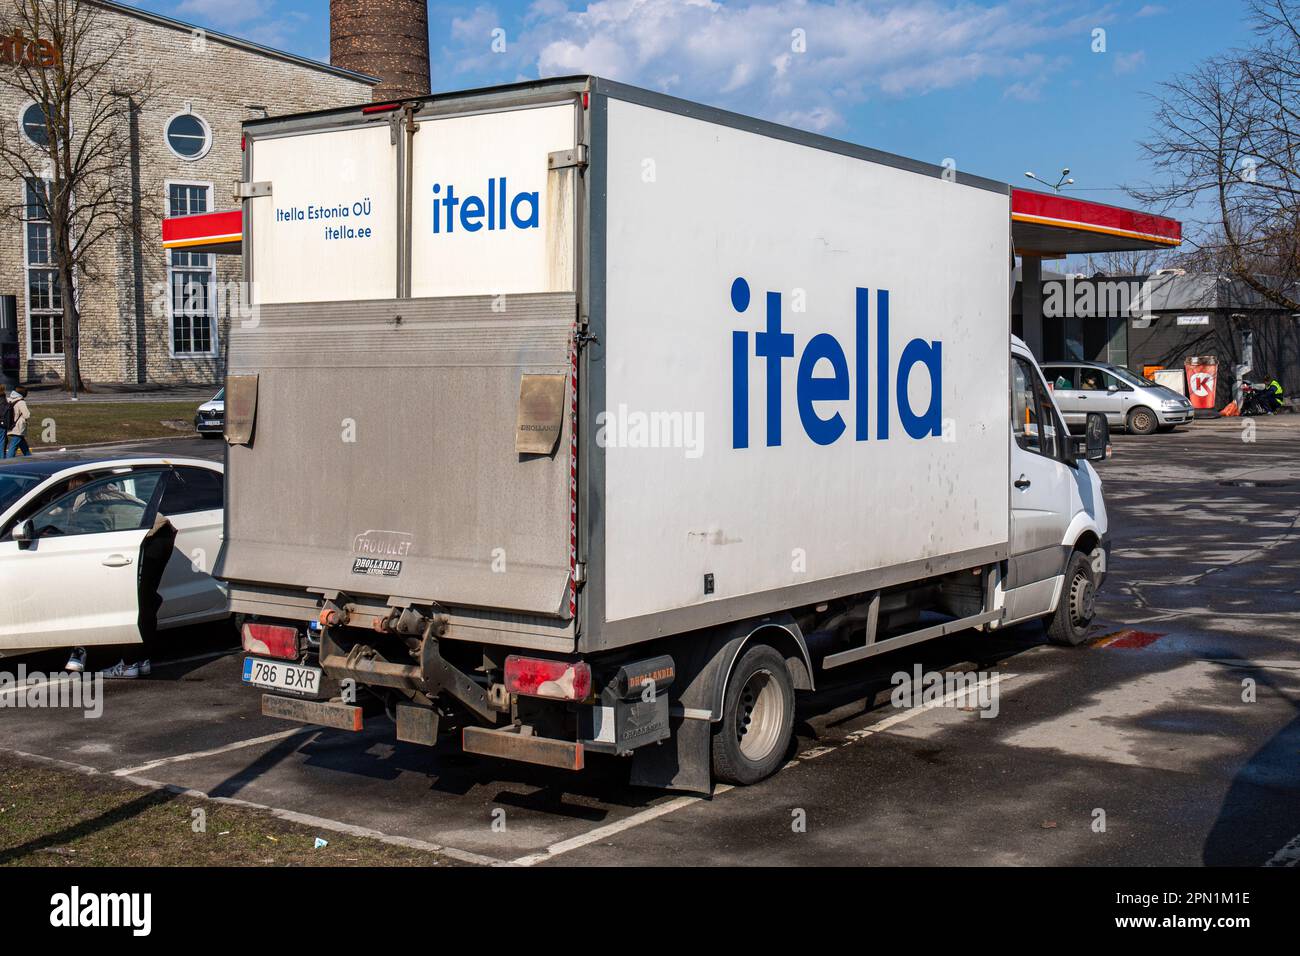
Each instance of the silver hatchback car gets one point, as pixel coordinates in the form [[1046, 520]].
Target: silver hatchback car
[[1130, 401]]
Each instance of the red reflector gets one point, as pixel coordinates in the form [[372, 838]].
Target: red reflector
[[586, 99], [381, 108], [271, 640], [535, 677]]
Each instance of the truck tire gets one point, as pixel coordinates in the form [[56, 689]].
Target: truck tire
[[1074, 612], [751, 740], [1142, 421]]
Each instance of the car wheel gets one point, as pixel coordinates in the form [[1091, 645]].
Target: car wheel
[[1142, 421], [751, 740], [1076, 609]]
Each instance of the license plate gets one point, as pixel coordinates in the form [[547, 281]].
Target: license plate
[[277, 675]]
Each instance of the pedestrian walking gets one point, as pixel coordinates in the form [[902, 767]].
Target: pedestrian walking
[[16, 430], [6, 420]]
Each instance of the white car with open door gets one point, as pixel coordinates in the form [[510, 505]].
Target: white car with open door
[[107, 551]]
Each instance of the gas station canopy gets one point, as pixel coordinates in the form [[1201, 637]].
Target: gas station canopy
[[1043, 225], [1051, 226]]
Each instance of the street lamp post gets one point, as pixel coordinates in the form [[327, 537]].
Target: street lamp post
[[1059, 184]]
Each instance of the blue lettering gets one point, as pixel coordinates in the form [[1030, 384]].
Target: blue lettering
[[471, 211], [930, 422], [497, 210], [531, 221], [824, 431], [845, 382], [774, 345]]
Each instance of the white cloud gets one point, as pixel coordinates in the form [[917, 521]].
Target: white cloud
[[1129, 62], [801, 61]]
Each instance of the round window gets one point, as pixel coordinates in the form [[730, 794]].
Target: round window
[[187, 135], [34, 126]]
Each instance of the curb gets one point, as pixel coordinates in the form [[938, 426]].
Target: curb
[[47, 450]]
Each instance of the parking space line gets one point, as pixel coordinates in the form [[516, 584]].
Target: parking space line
[[225, 748], [680, 803]]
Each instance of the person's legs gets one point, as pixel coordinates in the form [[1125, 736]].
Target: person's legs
[[19, 445], [11, 444]]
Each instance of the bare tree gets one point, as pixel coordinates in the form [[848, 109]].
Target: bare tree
[[70, 61], [1136, 262], [1225, 143]]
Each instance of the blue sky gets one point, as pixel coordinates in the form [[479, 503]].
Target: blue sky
[[999, 87]]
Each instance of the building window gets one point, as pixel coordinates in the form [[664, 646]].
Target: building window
[[188, 136], [191, 279], [34, 127], [44, 301]]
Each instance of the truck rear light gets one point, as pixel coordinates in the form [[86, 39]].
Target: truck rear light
[[271, 640], [559, 680]]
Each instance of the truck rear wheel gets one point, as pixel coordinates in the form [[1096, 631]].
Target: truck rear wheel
[[751, 740], [1075, 610]]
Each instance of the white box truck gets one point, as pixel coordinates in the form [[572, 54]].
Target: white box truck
[[569, 412]]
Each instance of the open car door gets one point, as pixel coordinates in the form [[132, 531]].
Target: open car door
[[76, 577]]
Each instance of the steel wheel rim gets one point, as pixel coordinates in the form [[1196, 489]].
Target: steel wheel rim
[[1142, 421], [1082, 599], [759, 715]]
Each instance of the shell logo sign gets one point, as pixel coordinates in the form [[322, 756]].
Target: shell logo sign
[[1202, 380]]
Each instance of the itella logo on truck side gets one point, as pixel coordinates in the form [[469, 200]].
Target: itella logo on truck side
[[498, 211], [773, 345]]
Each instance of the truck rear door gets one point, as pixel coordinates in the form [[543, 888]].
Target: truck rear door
[[410, 361]]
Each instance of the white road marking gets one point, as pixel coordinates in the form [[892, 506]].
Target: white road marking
[[1288, 856], [292, 816], [226, 748], [618, 826], [680, 803]]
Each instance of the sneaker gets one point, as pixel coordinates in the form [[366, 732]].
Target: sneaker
[[121, 671], [146, 668], [76, 661]]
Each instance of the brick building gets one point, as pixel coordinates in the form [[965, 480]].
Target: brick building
[[138, 325]]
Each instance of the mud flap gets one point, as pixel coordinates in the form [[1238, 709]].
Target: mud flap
[[155, 552], [682, 762]]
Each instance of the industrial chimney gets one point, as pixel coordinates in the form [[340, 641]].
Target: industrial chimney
[[384, 38]]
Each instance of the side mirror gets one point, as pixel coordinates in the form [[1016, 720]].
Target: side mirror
[[24, 535], [1096, 437]]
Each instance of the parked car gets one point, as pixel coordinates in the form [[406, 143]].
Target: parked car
[[1137, 404], [210, 420], [87, 558]]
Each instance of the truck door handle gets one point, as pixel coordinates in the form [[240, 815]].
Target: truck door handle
[[1022, 482], [116, 561]]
